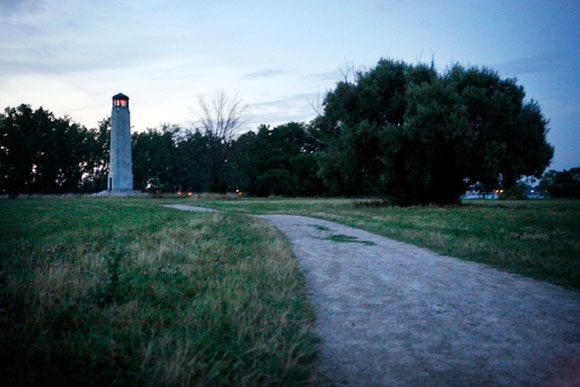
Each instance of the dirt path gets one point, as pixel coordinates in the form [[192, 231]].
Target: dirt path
[[394, 314]]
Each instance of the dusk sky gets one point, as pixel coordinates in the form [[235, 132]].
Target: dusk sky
[[280, 57]]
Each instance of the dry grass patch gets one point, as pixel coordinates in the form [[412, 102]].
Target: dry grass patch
[[101, 292]]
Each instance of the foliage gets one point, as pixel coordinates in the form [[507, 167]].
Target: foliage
[[425, 157], [154, 158], [351, 162], [421, 137], [123, 292], [518, 192], [97, 168], [509, 133], [278, 161], [401, 131], [42, 153], [561, 184], [220, 117]]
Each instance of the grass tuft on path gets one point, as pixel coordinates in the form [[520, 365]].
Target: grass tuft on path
[[536, 238], [341, 238], [121, 291]]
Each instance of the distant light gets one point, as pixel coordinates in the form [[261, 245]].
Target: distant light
[[189, 193], [179, 192], [532, 190]]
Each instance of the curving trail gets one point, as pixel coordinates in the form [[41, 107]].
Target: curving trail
[[390, 313]]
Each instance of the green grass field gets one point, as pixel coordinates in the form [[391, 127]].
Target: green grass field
[[122, 291], [539, 239]]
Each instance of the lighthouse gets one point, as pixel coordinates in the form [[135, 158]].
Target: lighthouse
[[120, 166]]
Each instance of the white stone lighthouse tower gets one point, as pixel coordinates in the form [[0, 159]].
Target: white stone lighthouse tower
[[121, 166]]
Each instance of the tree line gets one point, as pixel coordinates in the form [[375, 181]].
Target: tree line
[[401, 131]]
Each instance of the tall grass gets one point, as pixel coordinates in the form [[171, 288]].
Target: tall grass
[[535, 238], [121, 291]]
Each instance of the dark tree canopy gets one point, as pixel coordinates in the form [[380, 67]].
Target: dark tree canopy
[[278, 161], [42, 153], [220, 117], [510, 132], [561, 184], [422, 137], [398, 130]]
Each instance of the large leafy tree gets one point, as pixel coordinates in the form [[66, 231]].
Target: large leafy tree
[[154, 154], [421, 137], [220, 117], [510, 133], [425, 157], [20, 130], [356, 117], [278, 161], [96, 166], [561, 184], [170, 158], [42, 153], [191, 162]]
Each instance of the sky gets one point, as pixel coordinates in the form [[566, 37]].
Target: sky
[[279, 57]]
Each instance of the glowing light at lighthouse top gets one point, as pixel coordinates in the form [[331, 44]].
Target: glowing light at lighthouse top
[[120, 100]]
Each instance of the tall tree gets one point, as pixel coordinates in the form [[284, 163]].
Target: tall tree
[[154, 157], [191, 162], [561, 184], [220, 117], [421, 137], [278, 161], [353, 124], [96, 167], [426, 156], [510, 133], [41, 153]]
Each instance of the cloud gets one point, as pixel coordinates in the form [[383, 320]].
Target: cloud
[[266, 73], [333, 75], [275, 119], [536, 64], [44, 67], [287, 102], [425, 24], [390, 6], [568, 107], [296, 107], [10, 8]]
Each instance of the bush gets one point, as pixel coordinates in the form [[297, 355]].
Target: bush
[[517, 192]]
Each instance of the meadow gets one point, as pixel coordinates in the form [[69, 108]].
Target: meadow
[[122, 291], [536, 238]]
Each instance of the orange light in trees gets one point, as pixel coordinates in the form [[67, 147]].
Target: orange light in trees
[[189, 193]]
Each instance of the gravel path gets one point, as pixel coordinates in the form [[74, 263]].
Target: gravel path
[[393, 314]]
